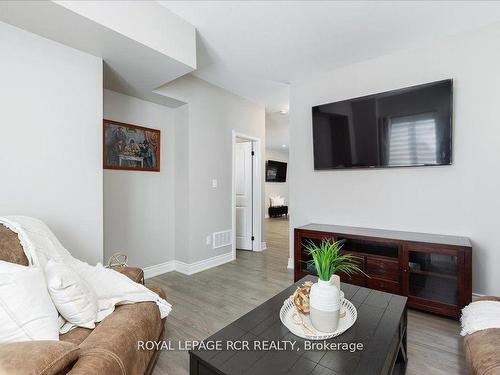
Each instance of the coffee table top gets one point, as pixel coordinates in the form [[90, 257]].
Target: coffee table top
[[377, 328]]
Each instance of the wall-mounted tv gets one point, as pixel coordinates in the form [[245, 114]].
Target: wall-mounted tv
[[400, 128], [275, 171]]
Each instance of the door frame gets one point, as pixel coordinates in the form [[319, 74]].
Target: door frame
[[256, 192]]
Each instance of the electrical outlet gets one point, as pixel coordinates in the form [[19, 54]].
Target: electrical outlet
[[209, 240]]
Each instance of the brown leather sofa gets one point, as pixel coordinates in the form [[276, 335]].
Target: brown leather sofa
[[111, 348], [482, 349]]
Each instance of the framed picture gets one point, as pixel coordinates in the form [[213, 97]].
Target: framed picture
[[130, 147]]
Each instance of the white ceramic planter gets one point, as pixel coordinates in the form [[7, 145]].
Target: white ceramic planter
[[324, 302]]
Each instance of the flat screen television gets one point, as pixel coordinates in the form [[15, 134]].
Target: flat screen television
[[400, 128], [275, 171]]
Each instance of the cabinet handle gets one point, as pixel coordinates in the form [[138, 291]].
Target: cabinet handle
[[382, 285]]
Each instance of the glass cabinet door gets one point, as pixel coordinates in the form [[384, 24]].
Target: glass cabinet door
[[306, 264], [432, 275]]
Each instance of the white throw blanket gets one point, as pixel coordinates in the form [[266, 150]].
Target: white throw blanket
[[111, 288], [480, 315]]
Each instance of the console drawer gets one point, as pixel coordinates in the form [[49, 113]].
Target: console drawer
[[384, 285], [356, 279], [383, 268]]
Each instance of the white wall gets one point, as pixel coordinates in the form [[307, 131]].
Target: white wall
[[277, 188], [139, 207], [461, 199], [211, 114], [50, 126], [277, 130]]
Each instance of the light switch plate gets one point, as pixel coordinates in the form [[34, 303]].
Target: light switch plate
[[214, 183]]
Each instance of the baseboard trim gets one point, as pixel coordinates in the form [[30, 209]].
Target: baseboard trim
[[187, 268], [159, 269], [290, 264], [263, 246], [202, 265]]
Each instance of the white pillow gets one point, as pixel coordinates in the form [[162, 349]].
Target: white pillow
[[274, 200], [277, 201], [72, 296], [26, 310]]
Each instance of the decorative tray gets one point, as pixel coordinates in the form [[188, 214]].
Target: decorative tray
[[300, 324]]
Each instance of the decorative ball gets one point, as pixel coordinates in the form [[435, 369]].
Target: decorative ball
[[301, 297]]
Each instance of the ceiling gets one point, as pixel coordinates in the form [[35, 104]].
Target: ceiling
[[137, 60], [256, 49]]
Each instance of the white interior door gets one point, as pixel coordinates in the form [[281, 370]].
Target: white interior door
[[243, 188]]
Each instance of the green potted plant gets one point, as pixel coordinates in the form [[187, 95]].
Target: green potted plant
[[324, 298]]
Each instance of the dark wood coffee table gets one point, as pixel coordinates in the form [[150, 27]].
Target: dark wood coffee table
[[380, 327]]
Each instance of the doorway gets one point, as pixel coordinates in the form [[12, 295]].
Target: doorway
[[246, 194]]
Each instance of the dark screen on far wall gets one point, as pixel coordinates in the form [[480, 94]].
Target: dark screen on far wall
[[406, 127], [275, 171]]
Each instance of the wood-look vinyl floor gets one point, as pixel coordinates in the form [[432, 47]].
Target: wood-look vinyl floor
[[207, 301]]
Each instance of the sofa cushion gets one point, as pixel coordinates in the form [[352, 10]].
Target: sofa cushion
[[76, 335], [10, 248], [37, 357], [112, 346], [482, 353]]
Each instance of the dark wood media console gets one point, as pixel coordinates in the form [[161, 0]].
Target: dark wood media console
[[433, 271]]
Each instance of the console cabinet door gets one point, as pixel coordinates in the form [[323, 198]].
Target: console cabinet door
[[433, 277]]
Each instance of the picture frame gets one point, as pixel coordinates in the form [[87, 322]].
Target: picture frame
[[130, 147]]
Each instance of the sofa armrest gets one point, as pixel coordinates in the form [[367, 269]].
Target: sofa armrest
[[489, 298], [133, 273], [481, 352], [41, 357], [157, 289], [113, 346]]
